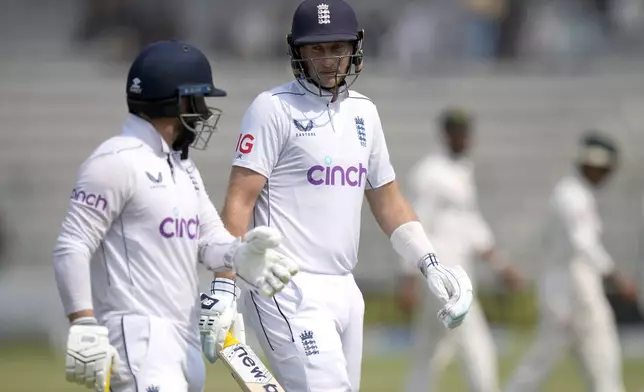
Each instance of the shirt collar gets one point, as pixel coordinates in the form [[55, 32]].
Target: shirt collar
[[582, 181], [141, 129], [313, 91], [462, 160]]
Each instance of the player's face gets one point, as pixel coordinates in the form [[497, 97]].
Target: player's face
[[596, 175], [328, 63], [458, 140], [197, 122]]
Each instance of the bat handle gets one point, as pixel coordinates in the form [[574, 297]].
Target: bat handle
[[230, 340], [108, 378]]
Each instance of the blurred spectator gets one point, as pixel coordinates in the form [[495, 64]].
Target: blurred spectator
[[602, 11], [510, 29], [483, 25], [375, 24], [100, 16], [420, 34], [131, 23], [4, 243], [560, 31]]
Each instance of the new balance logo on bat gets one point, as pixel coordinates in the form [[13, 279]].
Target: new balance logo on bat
[[251, 363]]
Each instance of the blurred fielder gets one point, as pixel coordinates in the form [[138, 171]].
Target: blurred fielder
[[573, 307], [444, 195], [138, 223], [308, 153], [640, 285]]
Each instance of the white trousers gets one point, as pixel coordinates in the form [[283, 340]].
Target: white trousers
[[433, 347], [311, 332], [574, 314], [155, 356]]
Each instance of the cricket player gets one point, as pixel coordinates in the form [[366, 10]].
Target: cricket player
[[640, 286], [573, 307], [308, 153], [444, 195], [138, 223]]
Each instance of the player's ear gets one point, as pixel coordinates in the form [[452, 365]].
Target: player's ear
[[359, 67], [358, 59]]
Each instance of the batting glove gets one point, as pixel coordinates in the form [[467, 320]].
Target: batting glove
[[258, 265], [90, 357], [452, 286], [218, 313]]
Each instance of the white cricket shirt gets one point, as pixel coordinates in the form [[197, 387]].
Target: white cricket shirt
[[573, 228], [143, 217], [318, 158], [444, 197]]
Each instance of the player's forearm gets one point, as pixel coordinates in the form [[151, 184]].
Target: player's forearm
[[233, 218], [590, 249], [494, 258], [236, 217], [86, 313], [390, 208], [397, 219], [244, 187], [225, 274], [72, 274], [238, 208]]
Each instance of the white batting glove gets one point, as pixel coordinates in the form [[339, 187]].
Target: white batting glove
[[90, 357], [218, 313], [452, 286], [257, 264]]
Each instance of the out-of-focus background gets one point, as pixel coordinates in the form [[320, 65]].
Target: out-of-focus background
[[535, 73]]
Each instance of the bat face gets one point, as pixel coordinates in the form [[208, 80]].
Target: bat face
[[248, 370]]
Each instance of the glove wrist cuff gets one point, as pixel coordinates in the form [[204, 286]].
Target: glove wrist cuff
[[413, 246], [85, 321], [225, 287], [229, 255], [430, 260]]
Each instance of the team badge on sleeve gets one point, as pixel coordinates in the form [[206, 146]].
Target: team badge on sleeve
[[362, 133]]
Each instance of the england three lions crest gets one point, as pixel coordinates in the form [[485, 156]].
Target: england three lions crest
[[362, 133]]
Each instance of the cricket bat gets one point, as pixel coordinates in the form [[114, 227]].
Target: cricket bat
[[108, 378], [246, 368]]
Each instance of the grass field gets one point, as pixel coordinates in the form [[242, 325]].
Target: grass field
[[27, 368]]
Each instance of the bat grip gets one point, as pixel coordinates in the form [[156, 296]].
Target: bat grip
[[230, 340]]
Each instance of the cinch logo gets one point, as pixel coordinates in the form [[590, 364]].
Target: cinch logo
[[336, 175], [179, 227], [90, 199]]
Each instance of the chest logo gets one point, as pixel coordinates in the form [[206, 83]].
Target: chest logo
[[157, 182], [304, 130], [360, 129]]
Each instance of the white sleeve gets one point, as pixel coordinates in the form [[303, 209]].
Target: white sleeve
[[262, 138], [423, 193], [581, 221], [216, 244], [105, 183], [424, 201], [380, 170], [481, 235]]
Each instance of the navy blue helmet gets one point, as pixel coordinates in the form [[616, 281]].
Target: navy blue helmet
[[172, 79], [455, 118], [325, 21]]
